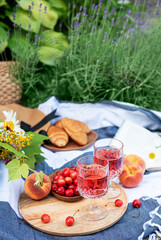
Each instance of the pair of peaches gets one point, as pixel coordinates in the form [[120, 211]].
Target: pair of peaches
[[133, 171]]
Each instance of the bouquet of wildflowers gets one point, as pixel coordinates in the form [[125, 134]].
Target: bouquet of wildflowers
[[20, 150]]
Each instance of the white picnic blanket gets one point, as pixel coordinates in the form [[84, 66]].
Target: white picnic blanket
[[95, 115]]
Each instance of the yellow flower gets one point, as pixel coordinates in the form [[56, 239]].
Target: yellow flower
[[151, 155]]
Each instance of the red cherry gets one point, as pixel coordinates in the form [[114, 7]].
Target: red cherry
[[60, 177], [76, 192], [45, 218], [75, 181], [69, 192], [136, 203], [54, 187], [118, 202], [71, 186], [68, 180], [54, 181], [61, 182], [59, 172], [66, 172], [69, 221], [55, 177], [73, 174], [74, 168], [61, 190]]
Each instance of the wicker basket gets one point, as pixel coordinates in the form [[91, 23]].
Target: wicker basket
[[10, 91]]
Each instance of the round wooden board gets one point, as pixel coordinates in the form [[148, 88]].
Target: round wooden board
[[92, 136], [32, 210]]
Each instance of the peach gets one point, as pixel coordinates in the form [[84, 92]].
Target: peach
[[135, 159], [132, 175], [37, 189]]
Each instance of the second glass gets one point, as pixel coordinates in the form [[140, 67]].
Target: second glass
[[112, 150]]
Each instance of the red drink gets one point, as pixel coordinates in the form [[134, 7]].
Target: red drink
[[115, 158], [92, 181]]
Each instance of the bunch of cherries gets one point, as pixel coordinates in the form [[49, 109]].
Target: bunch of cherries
[[65, 182]]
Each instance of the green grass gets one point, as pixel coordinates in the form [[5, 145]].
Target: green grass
[[123, 65]]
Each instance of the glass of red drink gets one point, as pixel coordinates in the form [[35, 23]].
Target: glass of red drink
[[92, 183], [110, 149]]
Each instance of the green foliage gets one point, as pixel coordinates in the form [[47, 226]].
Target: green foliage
[[17, 170], [121, 65], [32, 154], [3, 39], [32, 17]]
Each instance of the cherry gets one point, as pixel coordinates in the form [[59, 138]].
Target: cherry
[[68, 180], [69, 221], [61, 182], [74, 168], [71, 186], [55, 177], [60, 177], [59, 172], [75, 181], [45, 218], [73, 174], [136, 203], [118, 202], [76, 192], [66, 172], [61, 190], [54, 187], [69, 192]]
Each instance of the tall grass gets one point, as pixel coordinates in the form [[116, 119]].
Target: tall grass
[[112, 56], [111, 60]]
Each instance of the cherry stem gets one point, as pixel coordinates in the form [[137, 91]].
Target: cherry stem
[[108, 203], [137, 215], [75, 212]]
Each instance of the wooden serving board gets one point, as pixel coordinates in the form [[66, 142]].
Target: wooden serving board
[[92, 136], [58, 210]]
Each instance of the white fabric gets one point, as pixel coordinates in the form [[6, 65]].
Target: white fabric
[[95, 116]]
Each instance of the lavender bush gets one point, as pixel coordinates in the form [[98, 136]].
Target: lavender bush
[[113, 59]]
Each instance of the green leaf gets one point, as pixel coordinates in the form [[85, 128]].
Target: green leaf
[[39, 177], [2, 2], [16, 171], [31, 161], [22, 17], [47, 55], [37, 138], [55, 40], [24, 3], [24, 46], [33, 149], [1, 120], [59, 6], [39, 158], [3, 39], [12, 149]]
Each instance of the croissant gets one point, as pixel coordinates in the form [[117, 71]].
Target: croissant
[[75, 131], [58, 136]]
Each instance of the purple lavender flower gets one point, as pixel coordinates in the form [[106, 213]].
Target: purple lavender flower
[[8, 33], [20, 26], [29, 8], [27, 35], [29, 26], [76, 25], [45, 9], [13, 16], [43, 37], [128, 12]]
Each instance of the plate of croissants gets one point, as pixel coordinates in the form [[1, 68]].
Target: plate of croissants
[[69, 134]]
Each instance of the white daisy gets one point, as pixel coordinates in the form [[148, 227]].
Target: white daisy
[[11, 123]]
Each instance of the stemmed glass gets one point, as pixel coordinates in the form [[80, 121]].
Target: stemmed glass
[[92, 183], [112, 150]]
